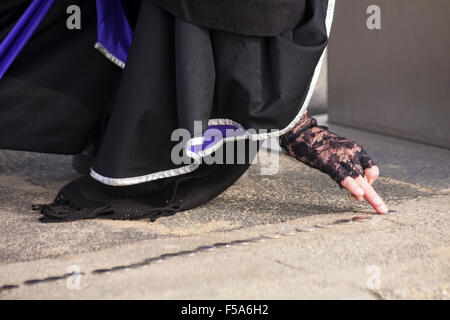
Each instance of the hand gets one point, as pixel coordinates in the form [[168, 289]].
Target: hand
[[342, 159], [361, 188]]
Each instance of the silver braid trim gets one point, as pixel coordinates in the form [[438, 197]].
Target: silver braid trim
[[109, 55]]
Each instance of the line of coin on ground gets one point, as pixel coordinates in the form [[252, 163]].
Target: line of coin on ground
[[202, 249]]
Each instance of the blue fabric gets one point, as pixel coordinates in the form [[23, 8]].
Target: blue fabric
[[21, 33], [114, 30], [215, 133]]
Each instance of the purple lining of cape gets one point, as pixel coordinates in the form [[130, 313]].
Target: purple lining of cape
[[214, 134], [21, 33], [114, 31]]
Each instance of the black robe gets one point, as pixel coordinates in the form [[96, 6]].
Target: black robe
[[189, 61], [248, 17]]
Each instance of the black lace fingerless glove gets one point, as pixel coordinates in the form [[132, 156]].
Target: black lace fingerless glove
[[322, 149]]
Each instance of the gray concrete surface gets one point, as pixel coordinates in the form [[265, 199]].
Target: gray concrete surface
[[410, 250]]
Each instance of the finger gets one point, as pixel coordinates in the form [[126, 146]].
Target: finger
[[350, 184], [372, 174], [371, 196]]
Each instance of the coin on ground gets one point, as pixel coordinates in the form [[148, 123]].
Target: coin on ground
[[361, 219], [272, 236], [101, 271], [325, 225], [168, 256], [187, 253], [344, 221], [305, 229], [153, 260], [287, 232], [222, 245], [138, 265], [240, 242], [206, 248], [257, 239], [119, 268]]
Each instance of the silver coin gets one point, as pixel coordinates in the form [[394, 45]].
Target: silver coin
[[118, 268], [257, 239], [187, 253], [222, 245], [32, 282], [206, 248], [52, 279], [9, 287], [361, 219], [325, 225], [305, 229], [143, 265], [139, 265], [153, 260], [168, 256], [392, 212], [101, 271], [240, 242], [272, 236], [344, 221], [287, 232]]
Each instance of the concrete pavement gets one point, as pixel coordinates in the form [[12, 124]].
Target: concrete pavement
[[390, 257]]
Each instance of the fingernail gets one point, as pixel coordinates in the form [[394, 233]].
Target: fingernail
[[383, 209]]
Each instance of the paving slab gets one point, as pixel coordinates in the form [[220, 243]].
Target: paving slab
[[410, 249], [390, 257]]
